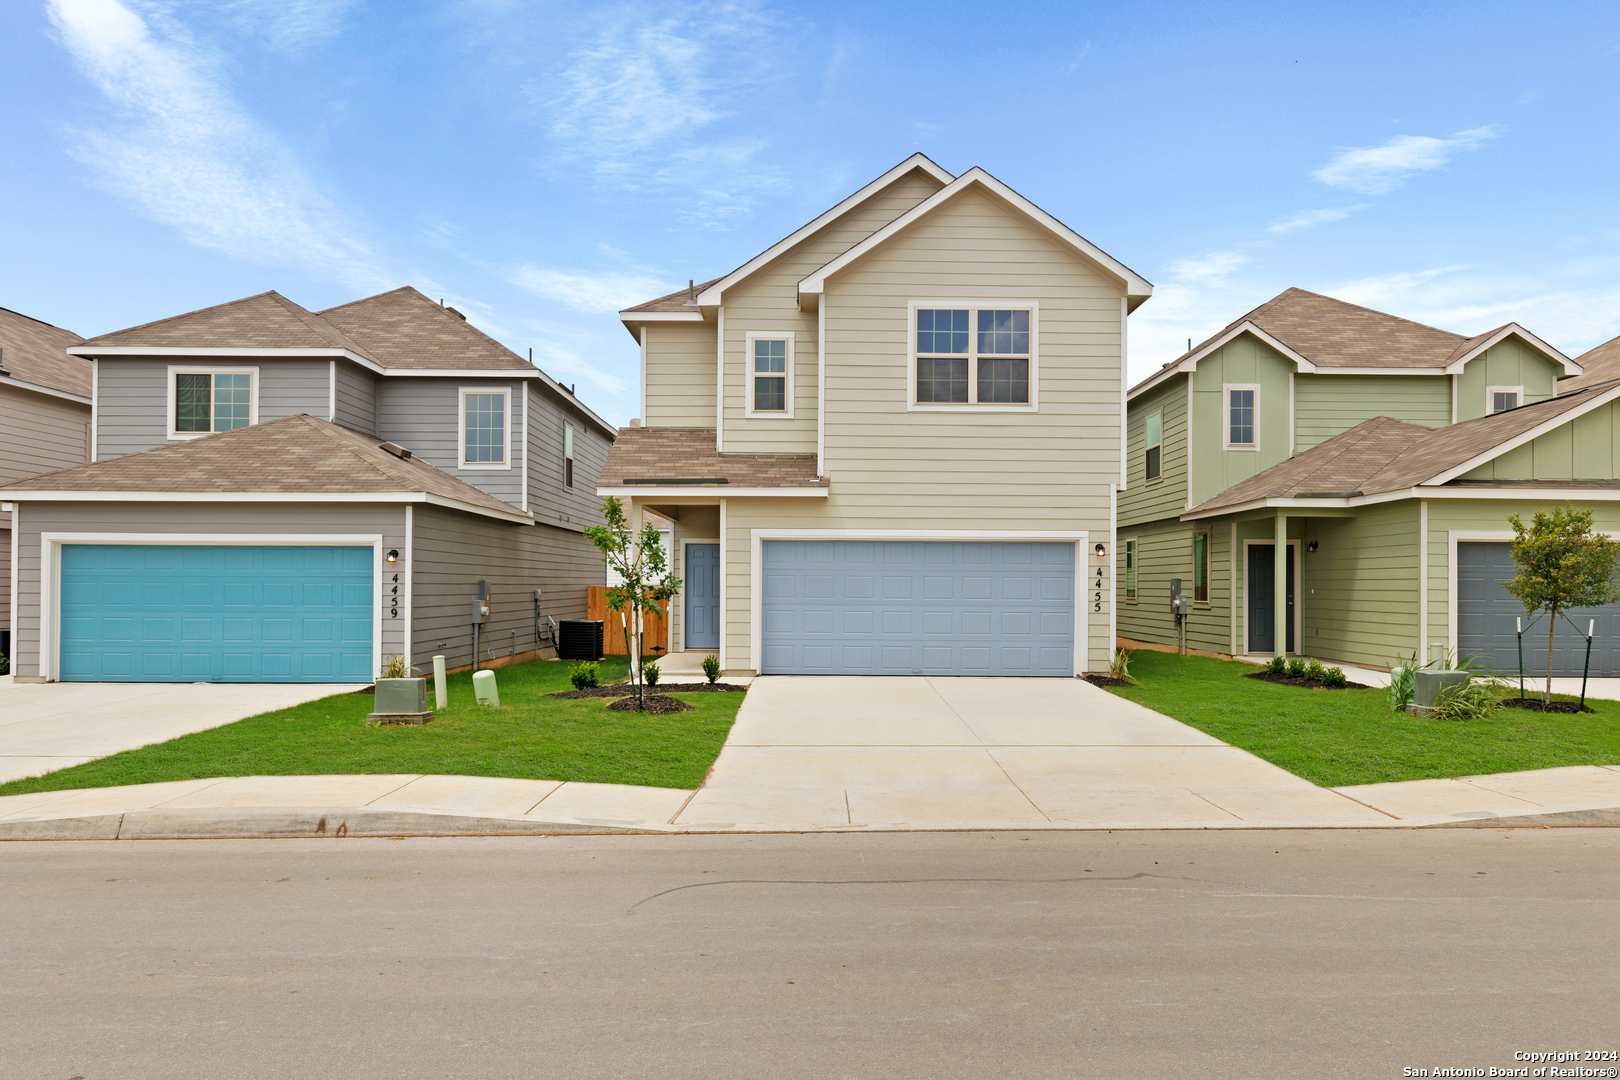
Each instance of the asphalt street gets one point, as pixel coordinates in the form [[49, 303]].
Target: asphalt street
[[1196, 954]]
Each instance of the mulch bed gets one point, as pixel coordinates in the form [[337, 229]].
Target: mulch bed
[[1535, 704], [1106, 681], [653, 703], [1311, 684], [621, 689]]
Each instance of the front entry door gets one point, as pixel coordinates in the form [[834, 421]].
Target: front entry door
[[1262, 592], [702, 596]]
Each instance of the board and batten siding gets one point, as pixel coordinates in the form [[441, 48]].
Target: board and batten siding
[[133, 396], [549, 501], [179, 519], [38, 433], [356, 397], [1585, 448], [768, 302], [421, 414], [1328, 405], [680, 364], [454, 551], [1166, 497], [1507, 363], [1245, 360]]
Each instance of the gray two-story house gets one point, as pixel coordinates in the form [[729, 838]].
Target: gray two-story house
[[280, 495]]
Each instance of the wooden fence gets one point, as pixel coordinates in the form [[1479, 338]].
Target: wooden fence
[[654, 628]]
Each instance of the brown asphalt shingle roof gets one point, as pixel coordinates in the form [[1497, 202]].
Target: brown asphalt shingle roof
[[1599, 365], [1384, 454], [642, 453], [294, 455], [265, 321], [404, 329], [675, 301], [33, 354]]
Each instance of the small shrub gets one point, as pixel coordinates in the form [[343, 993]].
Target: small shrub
[[1334, 676], [1296, 667], [649, 672], [1278, 665], [1402, 685], [1119, 665], [395, 667], [1472, 700], [5, 664], [586, 673], [711, 668], [1315, 670]]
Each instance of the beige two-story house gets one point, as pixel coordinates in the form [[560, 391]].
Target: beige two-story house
[[891, 444]]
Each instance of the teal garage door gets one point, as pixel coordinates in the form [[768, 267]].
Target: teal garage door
[[854, 607], [183, 613]]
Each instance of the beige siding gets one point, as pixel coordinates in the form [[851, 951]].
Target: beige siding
[[691, 523], [1510, 363], [1326, 405], [768, 302], [1150, 500], [680, 365]]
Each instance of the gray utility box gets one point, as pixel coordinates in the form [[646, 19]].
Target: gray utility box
[[1430, 684], [401, 701]]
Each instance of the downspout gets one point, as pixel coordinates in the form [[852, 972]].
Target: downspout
[[410, 541], [719, 388], [1232, 559], [725, 615], [95, 413], [1423, 579]]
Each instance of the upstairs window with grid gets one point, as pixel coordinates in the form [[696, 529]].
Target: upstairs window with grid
[[205, 402], [973, 356], [1240, 417], [483, 428], [770, 374]]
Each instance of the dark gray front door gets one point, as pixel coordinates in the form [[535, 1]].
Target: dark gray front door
[[702, 587], [1262, 594], [1486, 612]]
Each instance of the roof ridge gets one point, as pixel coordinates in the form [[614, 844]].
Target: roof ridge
[[186, 314], [1375, 311], [374, 296], [321, 327]]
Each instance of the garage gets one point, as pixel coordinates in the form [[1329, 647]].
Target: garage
[[1486, 614], [217, 613], [861, 607]]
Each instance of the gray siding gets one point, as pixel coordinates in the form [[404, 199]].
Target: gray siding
[[421, 414], [356, 397], [452, 551], [38, 433], [5, 578], [549, 501], [133, 396]]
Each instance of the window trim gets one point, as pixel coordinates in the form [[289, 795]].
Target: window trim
[[568, 457], [191, 369], [505, 464], [1226, 417], [1131, 572], [973, 305], [1146, 446], [749, 375], [1492, 391], [1205, 533]]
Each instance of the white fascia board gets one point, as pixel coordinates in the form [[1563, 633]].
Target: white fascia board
[[38, 389], [714, 293], [1511, 329], [1598, 400], [1189, 363], [643, 491], [222, 352], [660, 316], [395, 497], [1137, 288]]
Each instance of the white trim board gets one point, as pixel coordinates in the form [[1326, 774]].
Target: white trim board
[[1299, 595], [515, 516], [1226, 418], [972, 356], [1502, 334], [749, 374], [36, 388], [503, 465], [646, 493], [183, 369], [680, 594]]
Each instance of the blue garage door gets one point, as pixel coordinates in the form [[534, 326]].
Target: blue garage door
[[850, 607], [138, 613], [1486, 612]]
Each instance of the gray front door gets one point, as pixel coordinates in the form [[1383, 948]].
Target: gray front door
[[858, 607], [1486, 612], [702, 587], [1262, 593]]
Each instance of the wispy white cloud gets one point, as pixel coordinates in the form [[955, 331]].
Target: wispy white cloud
[[1305, 219], [589, 292], [290, 27], [180, 148], [1375, 170], [1206, 269], [570, 355]]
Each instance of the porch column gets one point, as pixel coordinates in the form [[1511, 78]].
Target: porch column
[[1279, 570]]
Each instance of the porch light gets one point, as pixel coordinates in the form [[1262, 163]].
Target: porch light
[[393, 555], [1100, 551], [1311, 546]]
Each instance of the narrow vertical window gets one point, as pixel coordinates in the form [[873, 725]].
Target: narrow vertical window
[[568, 456], [1241, 417], [770, 375], [483, 428], [1152, 439], [942, 361], [1130, 569], [1200, 573]]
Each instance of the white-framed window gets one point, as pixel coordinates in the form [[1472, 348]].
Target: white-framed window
[[1153, 442], [974, 355], [568, 455], [1502, 398], [770, 374], [1241, 404], [203, 400], [485, 425]]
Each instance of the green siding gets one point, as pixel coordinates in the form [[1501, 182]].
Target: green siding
[[1244, 360], [1164, 550], [1326, 405], [1509, 363], [1361, 585], [1166, 497], [1586, 448]]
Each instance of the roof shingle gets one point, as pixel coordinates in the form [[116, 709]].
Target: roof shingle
[[265, 321], [33, 353], [680, 300], [1600, 364], [404, 329], [688, 454]]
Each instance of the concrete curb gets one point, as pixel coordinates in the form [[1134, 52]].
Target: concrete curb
[[280, 823], [1567, 819]]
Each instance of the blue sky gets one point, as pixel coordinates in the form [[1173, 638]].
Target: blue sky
[[541, 165]]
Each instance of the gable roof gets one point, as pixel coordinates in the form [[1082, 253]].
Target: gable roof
[[1599, 364], [404, 329], [1385, 455], [1137, 288], [294, 456], [33, 353], [267, 320], [1320, 333]]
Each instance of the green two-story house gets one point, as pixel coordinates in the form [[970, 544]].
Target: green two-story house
[[1384, 457]]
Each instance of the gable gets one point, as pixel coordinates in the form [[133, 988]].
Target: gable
[[1509, 363], [1585, 448]]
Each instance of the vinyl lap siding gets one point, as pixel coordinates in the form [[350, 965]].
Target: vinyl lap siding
[[38, 433], [1360, 586], [421, 414], [356, 398], [1326, 405], [1151, 500], [680, 375], [133, 396], [549, 501], [1164, 550]]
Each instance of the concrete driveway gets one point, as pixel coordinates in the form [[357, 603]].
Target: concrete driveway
[[958, 753], [50, 726]]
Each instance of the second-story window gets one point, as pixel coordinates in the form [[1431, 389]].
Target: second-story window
[[1153, 439], [1242, 417], [770, 375], [206, 401], [974, 356], [1502, 398], [484, 424], [568, 456]]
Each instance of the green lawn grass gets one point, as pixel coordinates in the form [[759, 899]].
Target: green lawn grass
[[1338, 737], [529, 736]]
